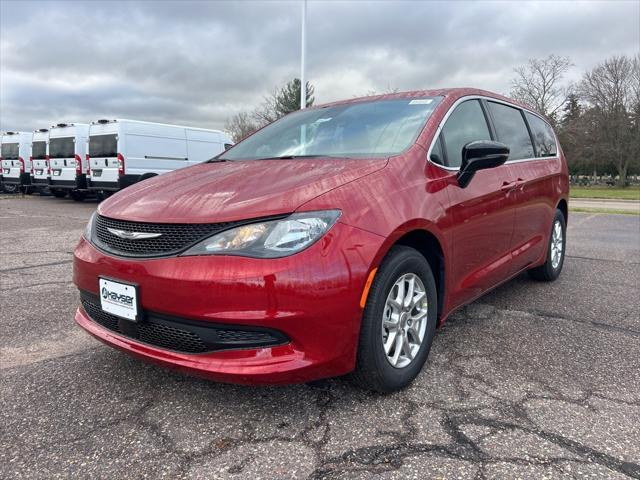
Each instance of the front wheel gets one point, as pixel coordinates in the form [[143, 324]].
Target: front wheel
[[398, 322], [552, 266]]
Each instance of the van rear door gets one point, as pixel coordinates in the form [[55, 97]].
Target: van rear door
[[103, 160], [10, 161], [62, 160], [39, 157]]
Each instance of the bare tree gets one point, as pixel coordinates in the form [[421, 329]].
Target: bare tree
[[240, 126], [611, 91], [539, 84]]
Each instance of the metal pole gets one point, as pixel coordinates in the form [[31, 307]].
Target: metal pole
[[303, 80]]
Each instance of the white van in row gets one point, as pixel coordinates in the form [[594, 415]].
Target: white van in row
[[67, 150], [15, 151], [123, 152], [40, 159]]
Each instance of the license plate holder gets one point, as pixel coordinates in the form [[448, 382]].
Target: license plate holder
[[56, 173], [119, 298], [96, 173], [38, 172]]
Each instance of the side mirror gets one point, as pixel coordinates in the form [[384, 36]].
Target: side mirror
[[480, 155]]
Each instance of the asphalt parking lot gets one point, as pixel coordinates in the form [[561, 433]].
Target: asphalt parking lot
[[532, 381]]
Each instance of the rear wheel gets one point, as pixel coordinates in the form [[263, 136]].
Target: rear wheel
[[552, 267], [59, 193], [398, 322], [77, 195], [10, 188]]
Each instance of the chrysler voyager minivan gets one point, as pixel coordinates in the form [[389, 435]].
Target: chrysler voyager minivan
[[333, 241]]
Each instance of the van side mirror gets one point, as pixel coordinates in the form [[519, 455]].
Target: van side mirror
[[480, 155]]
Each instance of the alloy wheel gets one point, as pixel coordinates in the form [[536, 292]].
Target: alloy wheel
[[556, 244], [404, 320]]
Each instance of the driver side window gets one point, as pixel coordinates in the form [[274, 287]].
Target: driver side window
[[466, 124]]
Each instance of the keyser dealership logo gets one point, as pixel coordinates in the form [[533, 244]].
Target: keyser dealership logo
[[117, 297]]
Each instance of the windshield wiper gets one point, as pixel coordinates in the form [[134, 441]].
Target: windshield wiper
[[216, 160], [293, 157]]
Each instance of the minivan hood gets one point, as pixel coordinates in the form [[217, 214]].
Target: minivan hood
[[234, 190]]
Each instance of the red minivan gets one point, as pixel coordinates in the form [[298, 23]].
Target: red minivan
[[333, 241]]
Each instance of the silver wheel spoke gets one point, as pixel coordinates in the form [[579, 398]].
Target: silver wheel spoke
[[390, 341], [415, 335], [406, 348], [398, 350], [408, 299]]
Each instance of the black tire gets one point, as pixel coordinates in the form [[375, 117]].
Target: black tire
[[58, 193], [77, 195], [11, 188], [547, 272], [373, 371]]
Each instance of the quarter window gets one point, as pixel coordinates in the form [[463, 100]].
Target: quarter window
[[511, 130], [466, 124], [543, 136]]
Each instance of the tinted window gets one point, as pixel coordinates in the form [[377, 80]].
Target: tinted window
[[103, 146], [464, 125], [361, 129], [10, 151], [542, 136], [61, 148], [511, 130], [39, 150]]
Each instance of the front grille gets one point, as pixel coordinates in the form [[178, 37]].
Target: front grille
[[187, 336], [175, 237]]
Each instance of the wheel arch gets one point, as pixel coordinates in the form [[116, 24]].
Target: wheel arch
[[564, 208], [429, 242]]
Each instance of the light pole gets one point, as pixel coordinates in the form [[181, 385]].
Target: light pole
[[303, 81]]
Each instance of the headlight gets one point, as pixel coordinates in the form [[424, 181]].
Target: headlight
[[88, 230], [271, 239]]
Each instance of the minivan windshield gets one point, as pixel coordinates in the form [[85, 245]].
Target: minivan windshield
[[103, 145], [61, 147], [376, 128], [39, 150], [9, 151]]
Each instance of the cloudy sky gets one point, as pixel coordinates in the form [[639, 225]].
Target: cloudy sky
[[198, 63]]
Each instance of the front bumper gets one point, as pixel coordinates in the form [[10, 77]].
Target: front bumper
[[312, 297]]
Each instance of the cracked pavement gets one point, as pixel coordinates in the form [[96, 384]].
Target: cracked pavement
[[533, 380]]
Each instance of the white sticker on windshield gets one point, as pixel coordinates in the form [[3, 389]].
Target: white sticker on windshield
[[421, 101], [322, 120]]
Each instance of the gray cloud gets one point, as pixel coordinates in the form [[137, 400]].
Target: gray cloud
[[200, 62]]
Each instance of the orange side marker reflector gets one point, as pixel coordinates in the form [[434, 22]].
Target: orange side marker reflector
[[367, 286]]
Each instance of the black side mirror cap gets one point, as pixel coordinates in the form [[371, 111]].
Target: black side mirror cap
[[480, 155]]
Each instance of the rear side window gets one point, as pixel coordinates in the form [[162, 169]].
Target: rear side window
[[103, 146], [10, 151], [543, 136], [61, 148], [39, 150], [511, 130], [466, 124]]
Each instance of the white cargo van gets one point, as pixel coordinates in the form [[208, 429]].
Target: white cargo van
[[40, 160], [15, 151], [67, 152], [123, 152]]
